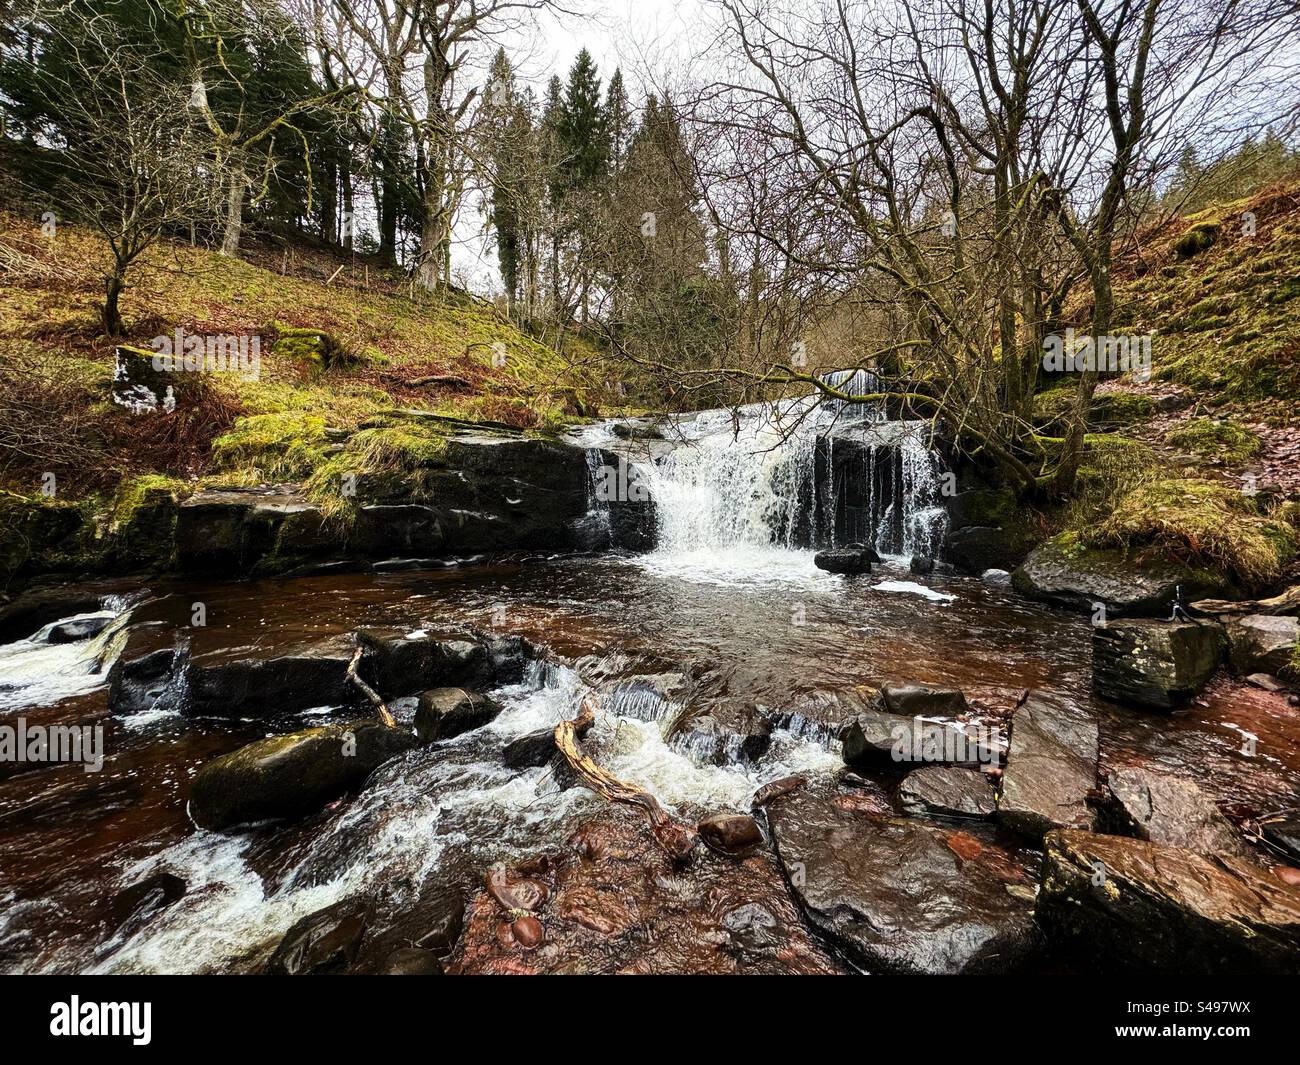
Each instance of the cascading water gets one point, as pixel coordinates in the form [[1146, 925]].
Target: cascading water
[[805, 473]]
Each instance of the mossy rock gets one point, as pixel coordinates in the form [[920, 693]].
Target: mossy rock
[[1215, 438], [39, 533], [315, 347], [1196, 240], [142, 527]]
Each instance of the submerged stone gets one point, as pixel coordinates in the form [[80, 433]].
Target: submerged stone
[[901, 896], [947, 791], [1171, 810], [1051, 766], [735, 835]]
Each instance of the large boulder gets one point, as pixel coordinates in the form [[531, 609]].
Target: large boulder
[[1154, 663], [1170, 810], [291, 775], [856, 558], [1263, 643], [947, 791], [900, 896], [446, 712], [1134, 905], [1060, 572], [305, 677], [1051, 766]]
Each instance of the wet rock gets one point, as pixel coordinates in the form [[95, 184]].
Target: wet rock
[[911, 700], [1267, 682], [134, 906], [735, 835], [143, 672], [397, 664], [978, 548], [531, 751], [846, 560], [80, 629], [732, 731], [775, 789], [1284, 833], [947, 791], [34, 609], [1059, 573], [1133, 905], [921, 565], [324, 942], [1170, 810], [412, 961], [291, 775], [509, 657], [314, 674], [753, 931], [232, 530], [875, 738], [1051, 766], [995, 576], [1153, 663], [447, 712], [896, 897], [1262, 643]]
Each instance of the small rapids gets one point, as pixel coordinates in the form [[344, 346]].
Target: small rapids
[[36, 672]]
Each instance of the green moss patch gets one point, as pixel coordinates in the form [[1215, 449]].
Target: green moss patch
[[1199, 523], [1215, 438], [285, 444]]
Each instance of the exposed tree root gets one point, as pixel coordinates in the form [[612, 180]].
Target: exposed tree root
[[676, 838]]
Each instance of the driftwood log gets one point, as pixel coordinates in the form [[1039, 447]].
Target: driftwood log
[[381, 707], [676, 838], [1286, 603]]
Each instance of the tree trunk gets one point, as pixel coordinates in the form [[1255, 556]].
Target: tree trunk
[[112, 316], [234, 213]]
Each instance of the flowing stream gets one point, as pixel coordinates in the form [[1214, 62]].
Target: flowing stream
[[728, 604]]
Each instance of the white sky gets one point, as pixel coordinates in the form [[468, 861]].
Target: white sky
[[640, 36]]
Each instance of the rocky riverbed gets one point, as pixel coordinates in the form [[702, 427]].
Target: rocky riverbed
[[887, 773]]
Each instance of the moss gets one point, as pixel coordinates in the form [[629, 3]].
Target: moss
[[388, 460], [1199, 238], [145, 490], [286, 444], [1199, 523], [1215, 438]]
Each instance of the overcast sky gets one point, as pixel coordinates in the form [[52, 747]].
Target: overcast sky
[[639, 36]]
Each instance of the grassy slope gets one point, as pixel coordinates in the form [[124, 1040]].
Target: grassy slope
[[47, 331], [1212, 483]]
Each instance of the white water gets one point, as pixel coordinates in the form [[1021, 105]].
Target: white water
[[737, 493], [400, 828], [35, 672]]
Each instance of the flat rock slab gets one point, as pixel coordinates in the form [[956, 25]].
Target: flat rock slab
[[291, 775], [898, 896], [1160, 664], [1173, 811], [1054, 574], [1051, 766], [1133, 905], [947, 791]]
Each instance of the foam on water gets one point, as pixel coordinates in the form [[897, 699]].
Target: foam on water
[[35, 672]]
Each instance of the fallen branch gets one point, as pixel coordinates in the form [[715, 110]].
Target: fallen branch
[[1286, 603], [675, 838], [381, 707]]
